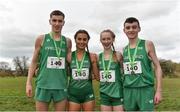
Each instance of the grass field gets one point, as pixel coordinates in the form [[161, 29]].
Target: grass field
[[13, 98]]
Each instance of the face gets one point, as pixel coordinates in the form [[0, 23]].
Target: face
[[57, 22], [106, 40], [81, 41], [131, 30]]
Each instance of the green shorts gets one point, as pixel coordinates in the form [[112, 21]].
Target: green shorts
[[139, 99], [110, 101], [46, 95], [80, 95]]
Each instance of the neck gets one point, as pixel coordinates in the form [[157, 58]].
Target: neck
[[133, 42], [56, 35], [80, 53], [108, 51], [107, 54]]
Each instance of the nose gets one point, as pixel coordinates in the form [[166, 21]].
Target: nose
[[105, 41], [131, 29], [56, 23]]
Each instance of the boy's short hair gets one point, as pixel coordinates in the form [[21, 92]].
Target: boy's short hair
[[131, 20], [57, 13]]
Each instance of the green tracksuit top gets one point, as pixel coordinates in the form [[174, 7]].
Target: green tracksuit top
[[111, 85], [52, 72], [144, 75], [82, 82]]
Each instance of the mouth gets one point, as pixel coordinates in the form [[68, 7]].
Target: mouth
[[107, 45]]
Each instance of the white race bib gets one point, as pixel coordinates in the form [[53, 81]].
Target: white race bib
[[84, 74], [135, 69], [110, 77], [56, 63]]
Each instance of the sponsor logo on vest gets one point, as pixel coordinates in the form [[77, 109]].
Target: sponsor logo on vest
[[137, 57], [90, 96], [151, 101], [48, 40]]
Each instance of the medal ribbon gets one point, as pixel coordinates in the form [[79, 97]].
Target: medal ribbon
[[106, 68], [135, 52], [79, 68], [58, 50]]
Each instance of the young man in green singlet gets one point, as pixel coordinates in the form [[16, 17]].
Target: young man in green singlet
[[138, 79], [50, 54]]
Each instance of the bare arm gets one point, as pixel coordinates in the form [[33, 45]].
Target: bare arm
[[33, 66], [95, 69], [120, 59], [158, 72], [69, 46]]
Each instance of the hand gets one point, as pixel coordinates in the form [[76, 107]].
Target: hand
[[29, 90], [157, 97]]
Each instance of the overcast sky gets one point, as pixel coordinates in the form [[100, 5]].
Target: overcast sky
[[21, 21]]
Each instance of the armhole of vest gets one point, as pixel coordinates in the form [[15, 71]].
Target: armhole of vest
[[99, 56], [72, 55], [44, 38], [145, 41], [124, 49], [65, 39], [117, 54]]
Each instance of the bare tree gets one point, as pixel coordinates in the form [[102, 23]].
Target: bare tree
[[4, 66], [21, 65]]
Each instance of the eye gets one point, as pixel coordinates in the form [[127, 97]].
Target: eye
[[79, 39], [54, 20], [127, 27], [60, 21], [84, 39], [134, 27]]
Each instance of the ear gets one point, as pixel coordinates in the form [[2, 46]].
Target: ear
[[63, 23], [139, 29], [50, 21], [100, 40], [113, 39], [123, 30]]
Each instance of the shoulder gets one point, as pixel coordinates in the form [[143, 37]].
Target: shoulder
[[149, 45], [93, 57], [148, 42], [40, 39], [68, 40], [118, 55]]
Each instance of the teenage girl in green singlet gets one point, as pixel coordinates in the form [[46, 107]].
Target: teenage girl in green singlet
[[111, 91], [82, 64]]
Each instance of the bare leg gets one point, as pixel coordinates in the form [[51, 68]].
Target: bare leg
[[60, 106], [118, 108], [89, 106], [106, 108], [41, 106], [74, 106]]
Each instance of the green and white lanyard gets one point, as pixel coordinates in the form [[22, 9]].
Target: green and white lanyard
[[58, 51], [79, 68], [106, 68], [132, 59]]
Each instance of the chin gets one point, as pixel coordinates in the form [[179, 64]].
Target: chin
[[81, 48], [130, 37], [107, 47]]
